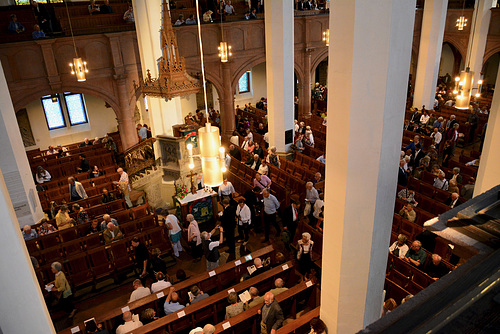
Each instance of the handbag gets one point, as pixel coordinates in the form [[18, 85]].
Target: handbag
[[307, 209]]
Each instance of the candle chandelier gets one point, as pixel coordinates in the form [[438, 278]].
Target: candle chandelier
[[462, 21], [78, 66], [224, 48], [211, 152]]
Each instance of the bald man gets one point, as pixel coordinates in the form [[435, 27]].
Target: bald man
[[272, 315], [279, 287], [131, 322]]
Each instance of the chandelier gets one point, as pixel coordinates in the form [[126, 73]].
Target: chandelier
[[78, 66], [462, 21]]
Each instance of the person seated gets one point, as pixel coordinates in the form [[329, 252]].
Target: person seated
[[261, 130], [234, 152], [37, 32], [106, 8], [408, 195], [14, 26], [207, 16], [322, 158], [95, 227], [190, 20], [82, 216], [172, 302], [468, 189], [259, 268], [51, 150], [389, 305], [86, 142], [435, 268], [453, 200], [254, 162], [260, 104], [399, 248], [253, 14], [112, 233], [440, 182], [261, 181], [84, 164], [453, 187], [408, 213], [263, 168], [256, 299], [91, 327], [234, 307], [247, 16], [107, 197], [128, 16], [196, 295], [95, 172], [180, 21], [278, 287], [258, 150], [131, 322], [46, 228], [139, 291], [229, 9], [317, 178], [456, 175], [63, 220], [161, 283], [309, 137], [106, 220], [93, 8], [28, 233], [96, 141], [416, 255], [318, 206], [42, 175], [250, 146]]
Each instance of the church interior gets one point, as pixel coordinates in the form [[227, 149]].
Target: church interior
[[136, 134]]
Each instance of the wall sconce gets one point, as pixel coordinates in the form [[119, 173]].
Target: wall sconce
[[224, 52], [326, 37]]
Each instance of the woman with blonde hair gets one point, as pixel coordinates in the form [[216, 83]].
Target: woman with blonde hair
[[304, 255]]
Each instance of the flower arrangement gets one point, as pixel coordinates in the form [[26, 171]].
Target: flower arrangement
[[181, 191]]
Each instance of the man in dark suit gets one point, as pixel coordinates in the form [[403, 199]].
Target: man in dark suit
[[291, 220], [43, 17], [402, 176], [252, 202], [228, 222], [419, 154], [453, 200], [234, 152], [272, 314], [254, 162]]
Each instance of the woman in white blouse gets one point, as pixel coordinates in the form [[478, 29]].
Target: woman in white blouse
[[42, 175], [244, 216], [226, 190]]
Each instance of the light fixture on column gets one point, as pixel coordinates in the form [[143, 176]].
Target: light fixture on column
[[211, 153], [479, 88], [462, 21], [455, 90], [78, 66], [326, 37], [224, 52], [224, 48]]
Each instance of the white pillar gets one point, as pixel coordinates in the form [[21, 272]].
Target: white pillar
[[22, 307], [488, 176], [14, 162], [478, 35], [148, 19], [429, 52], [279, 21], [369, 63]]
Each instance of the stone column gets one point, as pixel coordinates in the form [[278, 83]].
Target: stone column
[[369, 63], [14, 162], [429, 54], [488, 176], [126, 124], [21, 296], [227, 111], [477, 39], [279, 25], [305, 105]]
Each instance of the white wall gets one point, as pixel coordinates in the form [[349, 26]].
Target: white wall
[[101, 121], [447, 60], [258, 87], [188, 105]]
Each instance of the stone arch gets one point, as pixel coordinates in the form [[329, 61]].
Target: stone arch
[[456, 44], [246, 66], [490, 53], [318, 59]]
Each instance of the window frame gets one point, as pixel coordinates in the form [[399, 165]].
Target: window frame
[[248, 83], [68, 111], [49, 97]]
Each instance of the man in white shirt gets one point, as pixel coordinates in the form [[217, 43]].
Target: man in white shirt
[[245, 142], [244, 216], [139, 291], [436, 136], [226, 190], [160, 284], [125, 186], [131, 322]]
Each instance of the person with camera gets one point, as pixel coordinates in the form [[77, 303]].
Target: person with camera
[[211, 248]]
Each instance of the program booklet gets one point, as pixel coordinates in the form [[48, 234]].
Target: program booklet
[[245, 296]]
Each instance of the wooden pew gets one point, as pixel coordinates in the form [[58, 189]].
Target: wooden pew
[[300, 325], [249, 321], [213, 308], [205, 281]]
